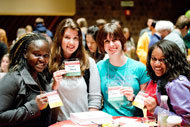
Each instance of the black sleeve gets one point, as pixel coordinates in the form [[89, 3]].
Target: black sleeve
[[3, 50], [9, 89]]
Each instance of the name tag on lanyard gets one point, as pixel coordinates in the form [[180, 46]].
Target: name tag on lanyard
[[114, 93], [72, 68]]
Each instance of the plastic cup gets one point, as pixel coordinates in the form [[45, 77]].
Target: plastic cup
[[174, 121]]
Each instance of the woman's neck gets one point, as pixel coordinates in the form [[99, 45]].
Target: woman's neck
[[118, 60], [33, 73]]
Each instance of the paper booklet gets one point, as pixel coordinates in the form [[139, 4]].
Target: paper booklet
[[91, 117]]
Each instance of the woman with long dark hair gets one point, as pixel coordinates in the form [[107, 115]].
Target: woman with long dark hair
[[168, 66], [91, 44]]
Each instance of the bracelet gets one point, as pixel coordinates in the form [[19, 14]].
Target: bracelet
[[134, 97]]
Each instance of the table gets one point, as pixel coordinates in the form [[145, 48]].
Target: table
[[69, 122]]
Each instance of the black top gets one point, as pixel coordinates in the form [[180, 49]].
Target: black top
[[3, 49], [18, 107]]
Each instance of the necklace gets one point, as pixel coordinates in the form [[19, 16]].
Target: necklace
[[115, 72]]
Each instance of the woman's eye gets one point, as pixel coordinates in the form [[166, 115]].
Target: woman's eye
[[162, 60], [76, 38], [114, 40], [37, 54], [46, 56], [66, 37], [106, 41], [154, 59]]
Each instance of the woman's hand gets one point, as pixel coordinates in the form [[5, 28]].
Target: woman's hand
[[42, 101], [57, 77], [128, 92], [93, 109], [150, 104]]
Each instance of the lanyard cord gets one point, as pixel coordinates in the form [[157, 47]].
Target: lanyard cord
[[115, 71], [108, 75]]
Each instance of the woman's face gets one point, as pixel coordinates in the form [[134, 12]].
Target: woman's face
[[91, 43], [126, 34], [5, 63], [112, 46], [2, 35], [37, 55], [157, 62], [70, 42]]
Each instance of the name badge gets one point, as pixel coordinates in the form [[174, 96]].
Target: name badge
[[72, 68], [114, 93], [139, 100], [54, 100]]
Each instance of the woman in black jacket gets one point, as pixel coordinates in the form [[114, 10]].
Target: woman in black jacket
[[23, 102]]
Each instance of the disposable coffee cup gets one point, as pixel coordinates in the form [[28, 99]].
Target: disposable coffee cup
[[174, 121]]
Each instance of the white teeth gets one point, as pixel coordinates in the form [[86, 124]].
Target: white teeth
[[112, 49], [157, 69], [41, 65], [70, 47]]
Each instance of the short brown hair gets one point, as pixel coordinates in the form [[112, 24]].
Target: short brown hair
[[182, 21], [113, 30]]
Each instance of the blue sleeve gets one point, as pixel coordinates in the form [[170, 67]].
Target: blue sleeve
[[143, 76], [99, 65]]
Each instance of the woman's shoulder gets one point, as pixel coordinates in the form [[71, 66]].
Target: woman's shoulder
[[91, 59], [135, 63], [92, 62], [11, 75], [10, 80], [182, 80], [102, 62]]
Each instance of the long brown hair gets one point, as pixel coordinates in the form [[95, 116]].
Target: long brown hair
[[57, 55], [3, 37]]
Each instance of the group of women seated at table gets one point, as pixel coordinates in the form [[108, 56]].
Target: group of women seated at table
[[117, 79]]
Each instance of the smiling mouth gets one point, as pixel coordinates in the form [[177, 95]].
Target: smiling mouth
[[91, 50], [157, 69], [41, 66], [159, 72], [70, 47], [112, 50]]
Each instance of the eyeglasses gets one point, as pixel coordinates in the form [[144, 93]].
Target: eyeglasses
[[161, 61]]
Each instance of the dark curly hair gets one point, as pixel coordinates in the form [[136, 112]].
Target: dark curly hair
[[175, 61], [17, 60]]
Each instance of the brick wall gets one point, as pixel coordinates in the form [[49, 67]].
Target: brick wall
[[142, 10]]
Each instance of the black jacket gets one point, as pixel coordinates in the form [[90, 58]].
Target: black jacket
[[18, 108], [3, 49]]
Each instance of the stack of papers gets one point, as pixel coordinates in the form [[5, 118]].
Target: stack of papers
[[91, 117], [129, 122]]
